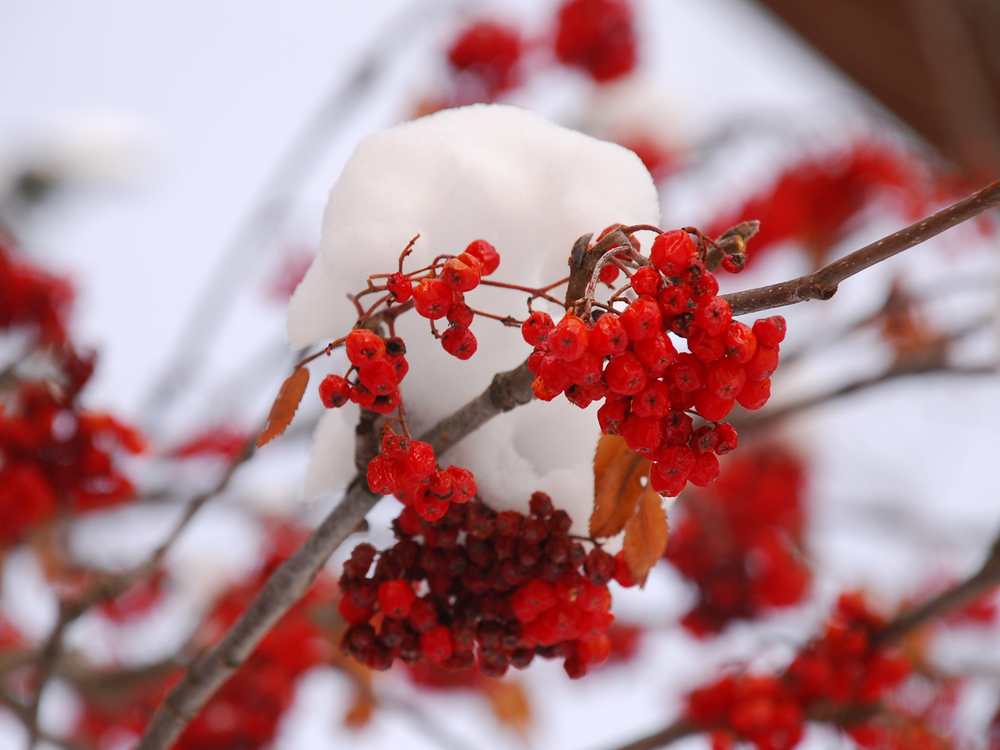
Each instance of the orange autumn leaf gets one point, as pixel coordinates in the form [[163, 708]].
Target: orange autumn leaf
[[646, 535], [618, 473], [510, 704], [284, 406]]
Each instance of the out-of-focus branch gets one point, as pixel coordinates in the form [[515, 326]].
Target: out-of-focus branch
[[822, 284], [987, 577], [292, 579], [111, 586], [270, 210]]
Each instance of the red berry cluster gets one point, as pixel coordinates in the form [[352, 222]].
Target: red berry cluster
[[408, 469], [32, 298], [499, 589], [443, 296], [738, 541], [843, 668], [486, 55], [629, 360], [380, 365], [597, 36], [54, 455]]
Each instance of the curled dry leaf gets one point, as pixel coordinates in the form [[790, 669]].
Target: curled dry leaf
[[618, 473], [646, 535], [284, 406]]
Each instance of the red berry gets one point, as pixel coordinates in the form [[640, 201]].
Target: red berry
[[740, 341], [361, 396], [612, 414], [711, 407], [706, 348], [586, 369], [705, 470], [436, 644], [569, 339], [642, 319], [536, 328], [622, 573], [383, 475], [400, 287], [486, 254], [463, 484], [490, 52], [419, 463], [433, 298], [530, 600], [642, 434], [647, 281], [755, 394], [652, 401], [687, 373], [428, 505], [770, 331], [379, 376], [363, 346], [609, 274], [608, 336], [459, 342], [625, 374], [673, 300], [334, 391], [726, 438], [396, 599], [763, 364], [657, 353], [460, 276], [597, 36], [670, 471], [672, 251], [725, 378], [713, 314], [460, 315]]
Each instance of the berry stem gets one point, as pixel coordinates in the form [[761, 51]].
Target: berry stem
[[822, 284]]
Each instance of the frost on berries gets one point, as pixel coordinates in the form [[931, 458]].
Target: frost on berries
[[490, 172]]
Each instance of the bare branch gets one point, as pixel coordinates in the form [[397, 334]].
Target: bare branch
[[109, 587], [292, 579], [822, 284]]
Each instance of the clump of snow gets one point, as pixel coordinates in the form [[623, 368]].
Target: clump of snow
[[529, 187]]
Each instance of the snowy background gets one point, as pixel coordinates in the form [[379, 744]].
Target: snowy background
[[178, 114]]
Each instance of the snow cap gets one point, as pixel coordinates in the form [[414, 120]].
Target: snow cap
[[530, 188]]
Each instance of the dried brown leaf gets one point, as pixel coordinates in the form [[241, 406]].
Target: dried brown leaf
[[284, 406], [510, 704], [646, 535], [618, 473]]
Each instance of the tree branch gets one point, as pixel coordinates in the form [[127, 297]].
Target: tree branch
[[822, 284], [292, 579]]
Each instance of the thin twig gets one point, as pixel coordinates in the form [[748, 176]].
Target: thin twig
[[822, 284], [292, 579]]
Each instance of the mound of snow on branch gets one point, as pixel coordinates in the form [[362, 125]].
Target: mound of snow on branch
[[530, 188]]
